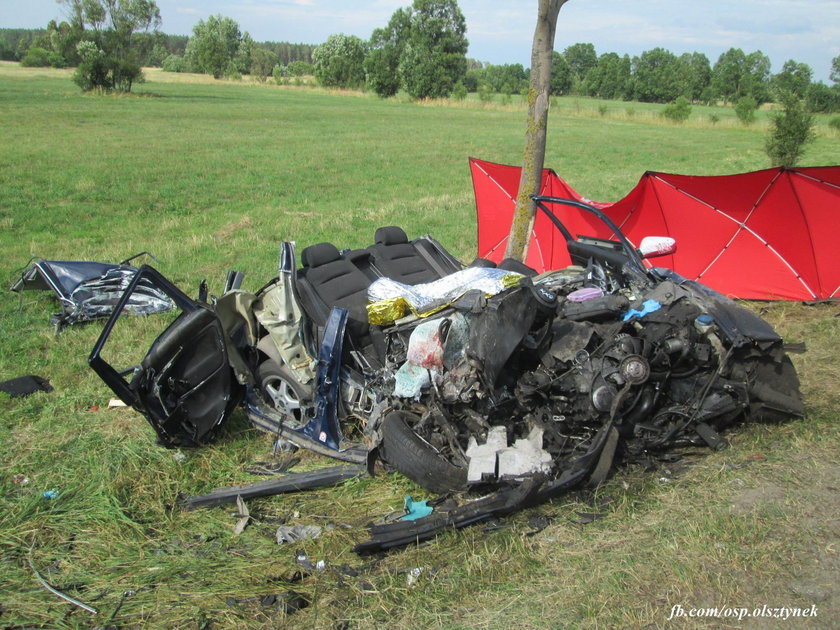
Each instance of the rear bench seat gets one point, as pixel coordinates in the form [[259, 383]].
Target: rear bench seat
[[414, 262], [326, 279]]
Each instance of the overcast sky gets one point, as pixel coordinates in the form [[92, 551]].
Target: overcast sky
[[500, 31]]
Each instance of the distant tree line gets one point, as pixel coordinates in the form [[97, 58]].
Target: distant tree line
[[218, 47], [57, 46], [422, 50], [660, 76]]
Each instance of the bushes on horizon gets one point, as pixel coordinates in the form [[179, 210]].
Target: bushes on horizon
[[36, 57], [300, 68], [834, 123], [459, 92], [262, 63], [790, 131], [175, 63], [745, 108], [678, 111], [339, 61]]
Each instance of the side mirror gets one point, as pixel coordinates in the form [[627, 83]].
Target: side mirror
[[653, 246]]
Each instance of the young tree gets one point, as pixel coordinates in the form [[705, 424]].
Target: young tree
[[535, 131], [745, 109], [110, 62], [339, 61], [790, 131], [434, 57], [678, 111], [386, 47], [214, 45], [794, 78], [657, 77], [835, 70], [562, 77], [262, 62], [611, 78], [581, 59]]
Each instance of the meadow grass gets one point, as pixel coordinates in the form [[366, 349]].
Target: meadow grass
[[210, 176]]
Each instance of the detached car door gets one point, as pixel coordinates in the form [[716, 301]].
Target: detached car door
[[184, 385]]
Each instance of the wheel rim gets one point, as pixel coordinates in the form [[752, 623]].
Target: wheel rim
[[283, 397]]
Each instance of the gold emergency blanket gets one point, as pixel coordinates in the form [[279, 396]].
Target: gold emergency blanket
[[391, 300]]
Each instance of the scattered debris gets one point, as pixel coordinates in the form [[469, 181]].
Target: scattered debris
[[54, 590], [243, 515], [297, 533], [116, 402], [415, 509], [50, 494], [289, 602], [413, 575], [293, 482], [283, 464], [20, 479], [584, 518], [90, 290], [25, 385]]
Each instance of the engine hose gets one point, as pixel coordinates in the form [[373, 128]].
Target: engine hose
[[641, 407]]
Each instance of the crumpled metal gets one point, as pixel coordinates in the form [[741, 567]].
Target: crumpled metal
[[391, 300]]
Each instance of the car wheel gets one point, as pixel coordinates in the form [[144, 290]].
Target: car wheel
[[416, 458], [285, 393]]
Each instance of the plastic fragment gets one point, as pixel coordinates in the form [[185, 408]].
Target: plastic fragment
[[415, 509], [20, 479], [413, 575], [648, 306], [410, 380], [50, 494], [244, 516], [55, 591], [285, 533], [586, 293], [482, 457]]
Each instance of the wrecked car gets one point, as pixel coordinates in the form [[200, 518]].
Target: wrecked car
[[485, 377]]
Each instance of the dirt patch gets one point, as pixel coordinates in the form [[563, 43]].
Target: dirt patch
[[754, 498], [230, 229], [814, 537]]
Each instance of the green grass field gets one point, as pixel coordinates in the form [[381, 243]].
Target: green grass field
[[212, 176]]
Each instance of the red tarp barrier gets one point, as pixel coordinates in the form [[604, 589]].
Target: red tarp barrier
[[769, 235]]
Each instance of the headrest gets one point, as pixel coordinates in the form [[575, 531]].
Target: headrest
[[391, 235], [320, 254]]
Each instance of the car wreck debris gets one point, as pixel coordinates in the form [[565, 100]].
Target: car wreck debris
[[292, 482], [89, 290], [478, 381]]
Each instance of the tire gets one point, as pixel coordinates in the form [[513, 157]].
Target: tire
[[417, 459], [284, 392]]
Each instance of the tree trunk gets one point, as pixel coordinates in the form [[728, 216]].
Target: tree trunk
[[534, 155]]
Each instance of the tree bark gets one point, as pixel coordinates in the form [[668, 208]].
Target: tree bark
[[534, 154]]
